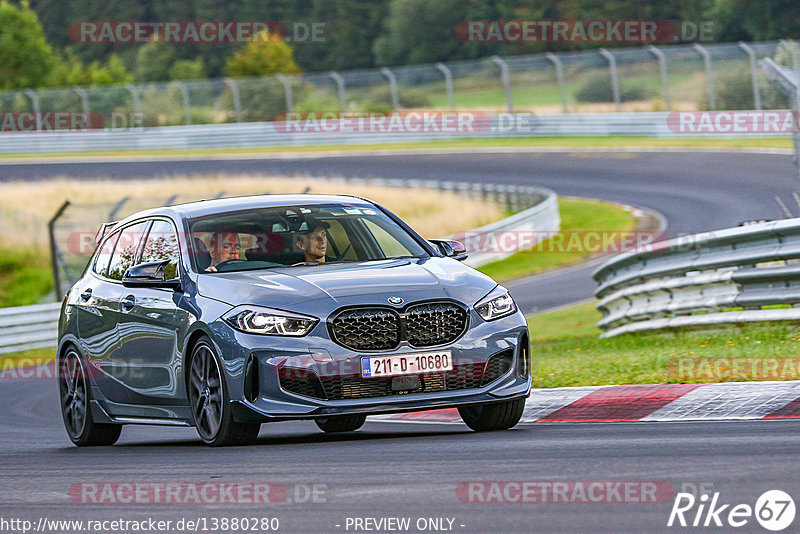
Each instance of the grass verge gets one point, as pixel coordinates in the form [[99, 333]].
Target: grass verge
[[532, 142], [25, 276], [578, 216], [568, 352]]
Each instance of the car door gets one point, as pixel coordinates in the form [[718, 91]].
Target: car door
[[107, 295], [148, 324], [98, 305]]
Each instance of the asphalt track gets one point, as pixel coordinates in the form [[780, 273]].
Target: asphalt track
[[411, 469]]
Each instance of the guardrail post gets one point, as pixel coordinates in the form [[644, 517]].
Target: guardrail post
[[137, 103], [51, 224], [36, 109], [237, 101], [84, 95], [392, 87], [448, 84], [753, 73], [612, 65], [662, 66], [506, 81], [187, 103], [287, 91], [556, 61], [712, 101], [341, 89]]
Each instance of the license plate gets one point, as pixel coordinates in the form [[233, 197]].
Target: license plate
[[406, 364]]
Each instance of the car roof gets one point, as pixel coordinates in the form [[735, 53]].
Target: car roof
[[224, 205]]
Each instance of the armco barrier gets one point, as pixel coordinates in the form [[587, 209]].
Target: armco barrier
[[728, 276], [265, 134], [29, 327]]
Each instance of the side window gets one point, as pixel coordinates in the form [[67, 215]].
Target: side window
[[125, 252], [340, 241], [389, 245], [104, 255], [162, 244]]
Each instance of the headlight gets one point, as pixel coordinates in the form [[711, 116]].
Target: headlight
[[269, 322], [498, 303]]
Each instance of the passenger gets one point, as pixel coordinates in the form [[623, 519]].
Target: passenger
[[225, 246]]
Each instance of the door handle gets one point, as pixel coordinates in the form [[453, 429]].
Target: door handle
[[86, 295], [128, 302]]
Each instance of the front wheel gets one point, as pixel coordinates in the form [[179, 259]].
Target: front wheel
[[340, 423], [210, 401], [76, 393], [494, 416]]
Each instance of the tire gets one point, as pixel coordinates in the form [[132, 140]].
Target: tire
[[209, 401], [494, 416], [75, 394], [340, 423]]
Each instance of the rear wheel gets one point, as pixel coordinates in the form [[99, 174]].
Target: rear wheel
[[76, 394], [340, 423], [210, 401], [494, 416]]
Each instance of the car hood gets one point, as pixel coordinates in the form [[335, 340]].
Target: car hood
[[311, 289]]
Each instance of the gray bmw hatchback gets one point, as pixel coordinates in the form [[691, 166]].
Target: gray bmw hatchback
[[226, 314]]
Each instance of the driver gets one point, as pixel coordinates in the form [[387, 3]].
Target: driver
[[314, 241], [224, 246]]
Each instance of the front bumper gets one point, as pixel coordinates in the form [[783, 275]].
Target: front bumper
[[262, 398]]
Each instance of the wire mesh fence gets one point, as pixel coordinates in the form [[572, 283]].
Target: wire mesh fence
[[677, 77]]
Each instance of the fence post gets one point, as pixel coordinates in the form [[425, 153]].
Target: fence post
[[237, 101], [506, 81], [712, 101], [556, 61], [612, 65], [187, 103], [112, 215], [84, 94], [36, 109], [392, 87], [448, 84], [137, 103], [341, 89], [753, 73], [51, 224], [662, 66], [791, 46], [287, 91]]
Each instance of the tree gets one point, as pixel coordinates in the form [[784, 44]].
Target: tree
[[154, 62], [267, 54], [27, 58]]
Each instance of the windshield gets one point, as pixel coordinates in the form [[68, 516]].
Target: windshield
[[297, 235]]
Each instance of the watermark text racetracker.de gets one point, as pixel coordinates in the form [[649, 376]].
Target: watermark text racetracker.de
[[66, 121], [149, 524], [192, 31], [404, 122], [734, 122], [564, 491]]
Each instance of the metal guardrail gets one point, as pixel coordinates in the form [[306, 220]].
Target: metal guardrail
[[729, 276], [265, 134], [29, 327]]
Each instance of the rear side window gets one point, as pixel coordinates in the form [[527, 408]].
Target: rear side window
[[162, 245], [104, 255], [125, 252]]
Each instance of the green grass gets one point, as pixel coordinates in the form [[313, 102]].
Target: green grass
[[568, 352], [532, 142], [577, 216], [25, 276]]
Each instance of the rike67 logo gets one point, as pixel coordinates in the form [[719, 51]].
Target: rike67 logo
[[774, 510]]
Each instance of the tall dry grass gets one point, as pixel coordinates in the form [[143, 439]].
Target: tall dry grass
[[430, 212]]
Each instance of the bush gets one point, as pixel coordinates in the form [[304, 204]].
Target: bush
[[734, 90], [598, 89], [380, 98]]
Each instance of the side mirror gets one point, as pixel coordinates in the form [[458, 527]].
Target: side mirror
[[150, 275], [451, 249]]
